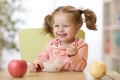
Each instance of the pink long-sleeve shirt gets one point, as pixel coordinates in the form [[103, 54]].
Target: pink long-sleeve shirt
[[53, 50]]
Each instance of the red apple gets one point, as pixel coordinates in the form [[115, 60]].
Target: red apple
[[17, 68]]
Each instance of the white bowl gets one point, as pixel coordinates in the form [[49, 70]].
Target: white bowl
[[52, 66]]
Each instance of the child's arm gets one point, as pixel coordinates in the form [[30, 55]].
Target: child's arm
[[37, 65], [79, 60]]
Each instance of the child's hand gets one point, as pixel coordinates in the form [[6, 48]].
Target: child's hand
[[71, 50], [34, 67]]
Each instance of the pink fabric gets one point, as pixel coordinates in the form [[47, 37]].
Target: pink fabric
[[76, 63]]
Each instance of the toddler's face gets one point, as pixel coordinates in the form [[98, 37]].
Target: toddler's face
[[64, 28]]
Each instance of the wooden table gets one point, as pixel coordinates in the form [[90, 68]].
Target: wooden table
[[66, 75]]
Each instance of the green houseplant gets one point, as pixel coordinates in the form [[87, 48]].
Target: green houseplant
[[8, 25]]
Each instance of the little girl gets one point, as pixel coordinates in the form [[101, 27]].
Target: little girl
[[63, 24]]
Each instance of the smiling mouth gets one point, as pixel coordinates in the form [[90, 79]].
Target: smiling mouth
[[62, 35]]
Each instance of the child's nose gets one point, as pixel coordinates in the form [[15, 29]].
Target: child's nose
[[61, 28]]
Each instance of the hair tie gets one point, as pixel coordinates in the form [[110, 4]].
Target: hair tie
[[81, 9]]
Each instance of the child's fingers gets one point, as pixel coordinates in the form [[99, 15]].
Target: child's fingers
[[35, 65], [71, 50], [32, 67]]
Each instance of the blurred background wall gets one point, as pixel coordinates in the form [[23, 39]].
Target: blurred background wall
[[111, 34]]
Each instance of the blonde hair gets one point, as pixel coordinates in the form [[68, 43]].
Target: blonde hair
[[90, 18]]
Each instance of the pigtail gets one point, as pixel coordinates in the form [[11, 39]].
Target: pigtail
[[90, 19], [48, 24]]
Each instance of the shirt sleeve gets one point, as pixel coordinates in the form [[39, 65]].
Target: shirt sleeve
[[79, 61]]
